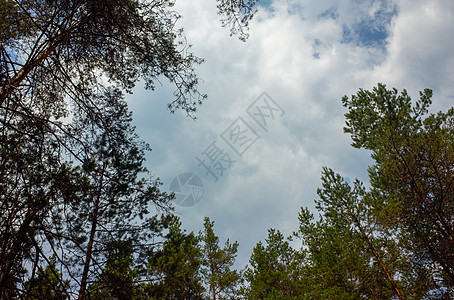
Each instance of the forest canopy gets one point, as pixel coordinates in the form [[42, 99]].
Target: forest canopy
[[81, 217]]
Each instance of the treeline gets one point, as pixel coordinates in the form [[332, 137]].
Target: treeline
[[393, 240], [182, 266]]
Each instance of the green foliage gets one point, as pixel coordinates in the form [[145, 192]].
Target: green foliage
[[380, 116], [413, 173], [49, 284], [174, 270], [345, 254], [109, 202], [217, 263], [117, 280], [274, 269]]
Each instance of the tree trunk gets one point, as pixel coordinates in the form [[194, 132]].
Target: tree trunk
[[32, 63], [94, 225], [379, 260]]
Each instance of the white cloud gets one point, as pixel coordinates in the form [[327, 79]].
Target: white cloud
[[281, 171], [420, 50]]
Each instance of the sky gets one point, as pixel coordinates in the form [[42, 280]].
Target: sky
[[273, 118]]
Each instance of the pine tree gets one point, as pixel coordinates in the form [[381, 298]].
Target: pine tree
[[412, 176], [173, 271], [222, 281], [274, 269]]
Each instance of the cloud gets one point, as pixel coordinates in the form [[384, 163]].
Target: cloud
[[420, 50], [306, 55]]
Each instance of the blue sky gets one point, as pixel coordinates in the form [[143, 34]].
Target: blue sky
[[305, 55]]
